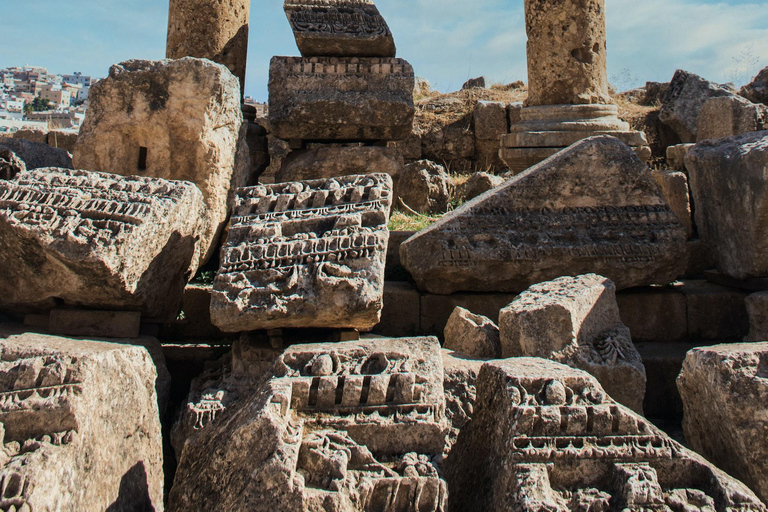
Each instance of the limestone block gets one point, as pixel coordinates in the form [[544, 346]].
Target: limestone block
[[305, 254], [478, 183], [36, 154], [105, 324], [676, 156], [715, 312], [212, 30], [97, 240], [544, 436], [474, 83], [674, 186], [725, 392], [10, 164], [196, 321], [339, 28], [400, 310], [460, 376], [65, 140], [437, 309], [566, 53], [348, 426], [472, 335], [683, 101], [524, 232], [729, 189], [409, 148], [490, 119], [757, 309], [333, 161], [487, 156], [726, 116], [575, 321], [38, 136], [80, 426], [514, 112], [757, 90], [178, 120], [449, 143], [654, 314], [340, 98], [423, 186]]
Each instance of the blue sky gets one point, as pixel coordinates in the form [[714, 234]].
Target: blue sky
[[447, 41]]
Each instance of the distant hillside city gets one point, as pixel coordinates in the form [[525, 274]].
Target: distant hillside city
[[33, 98]]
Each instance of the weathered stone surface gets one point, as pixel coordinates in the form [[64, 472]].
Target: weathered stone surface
[[654, 314], [451, 143], [730, 191], [575, 321], [305, 254], [349, 98], [474, 83], [36, 154], [546, 437], [333, 161], [714, 312], [65, 140], [106, 324], [592, 208], [400, 311], [726, 116], [437, 309], [487, 156], [349, 426], [545, 130], [339, 28], [459, 385], [757, 309], [490, 118], [566, 52], [10, 164], [209, 29], [478, 183], [423, 186], [757, 90], [72, 440], [39, 136], [178, 120], [725, 392], [674, 186], [97, 240], [676, 156], [683, 100], [472, 335]]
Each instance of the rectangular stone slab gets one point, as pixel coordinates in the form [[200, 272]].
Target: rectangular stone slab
[[350, 98], [305, 254], [97, 240], [339, 28]]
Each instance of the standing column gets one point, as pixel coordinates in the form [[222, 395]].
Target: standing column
[[210, 29], [566, 52]]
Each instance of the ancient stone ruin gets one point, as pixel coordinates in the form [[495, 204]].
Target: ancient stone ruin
[[212, 306]]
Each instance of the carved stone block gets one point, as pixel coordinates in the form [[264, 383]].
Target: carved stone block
[[305, 254], [97, 240], [339, 28], [71, 440], [352, 426], [172, 119], [575, 321], [592, 208], [546, 437], [347, 98]]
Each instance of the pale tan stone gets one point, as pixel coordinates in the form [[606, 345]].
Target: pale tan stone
[[332, 161], [106, 324], [478, 183], [305, 254], [97, 240], [178, 120], [71, 439], [210, 29], [490, 120], [37, 154], [472, 335], [725, 392], [676, 156], [674, 186], [727, 116], [575, 321], [424, 187], [544, 436]]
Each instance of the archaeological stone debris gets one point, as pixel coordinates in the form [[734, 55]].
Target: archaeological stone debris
[[348, 426], [544, 436], [305, 254], [472, 335], [575, 321], [725, 394], [178, 120], [568, 98], [594, 207], [97, 240], [73, 440]]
